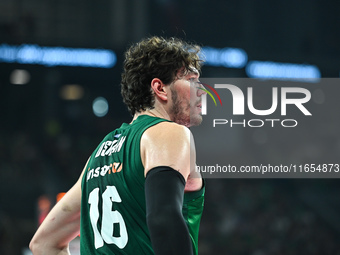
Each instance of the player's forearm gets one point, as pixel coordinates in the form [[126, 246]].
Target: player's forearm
[[56, 231], [42, 248], [164, 189], [50, 239], [169, 233], [59, 228]]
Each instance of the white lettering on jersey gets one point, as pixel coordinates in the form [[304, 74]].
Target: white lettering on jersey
[[109, 147]]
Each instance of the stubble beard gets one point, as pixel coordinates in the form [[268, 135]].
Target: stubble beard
[[183, 115]]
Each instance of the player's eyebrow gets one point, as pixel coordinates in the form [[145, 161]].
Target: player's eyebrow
[[189, 72], [193, 72]]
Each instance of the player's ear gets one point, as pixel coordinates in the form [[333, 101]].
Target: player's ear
[[159, 89]]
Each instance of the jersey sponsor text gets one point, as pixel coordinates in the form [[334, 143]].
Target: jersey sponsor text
[[102, 171]]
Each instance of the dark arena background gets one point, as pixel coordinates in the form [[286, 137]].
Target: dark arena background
[[60, 66]]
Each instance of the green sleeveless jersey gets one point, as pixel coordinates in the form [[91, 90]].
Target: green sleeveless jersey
[[113, 210]]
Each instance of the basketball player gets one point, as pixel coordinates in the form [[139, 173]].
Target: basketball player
[[138, 193]]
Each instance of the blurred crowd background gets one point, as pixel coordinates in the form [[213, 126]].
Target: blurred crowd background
[[50, 124]]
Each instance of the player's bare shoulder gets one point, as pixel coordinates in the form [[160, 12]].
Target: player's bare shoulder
[[167, 144], [171, 144], [166, 130]]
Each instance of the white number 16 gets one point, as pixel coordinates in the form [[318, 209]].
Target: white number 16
[[109, 217]]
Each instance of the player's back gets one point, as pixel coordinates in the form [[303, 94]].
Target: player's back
[[113, 200]]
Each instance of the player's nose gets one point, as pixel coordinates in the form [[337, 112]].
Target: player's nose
[[201, 90]]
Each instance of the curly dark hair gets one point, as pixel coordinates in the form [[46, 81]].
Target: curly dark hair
[[154, 57]]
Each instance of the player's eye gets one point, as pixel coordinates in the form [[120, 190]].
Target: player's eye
[[194, 80]]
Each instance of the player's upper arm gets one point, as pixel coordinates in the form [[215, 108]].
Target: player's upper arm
[[168, 144]]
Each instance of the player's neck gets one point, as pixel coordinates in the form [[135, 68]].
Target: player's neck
[[161, 113]]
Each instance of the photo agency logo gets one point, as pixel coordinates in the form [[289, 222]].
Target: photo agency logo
[[277, 100]]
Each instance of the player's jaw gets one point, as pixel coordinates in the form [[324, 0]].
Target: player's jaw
[[196, 113], [185, 111]]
